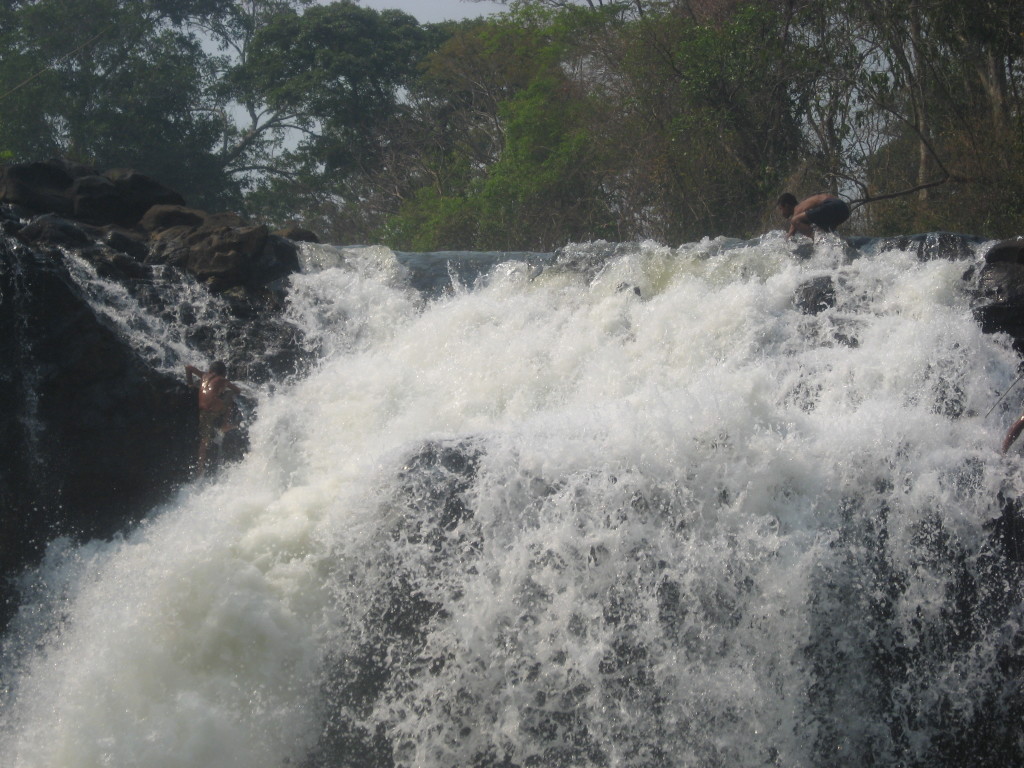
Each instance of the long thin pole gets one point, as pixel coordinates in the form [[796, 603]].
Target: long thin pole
[[997, 402], [28, 80]]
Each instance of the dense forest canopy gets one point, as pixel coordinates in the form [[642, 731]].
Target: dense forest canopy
[[556, 121]]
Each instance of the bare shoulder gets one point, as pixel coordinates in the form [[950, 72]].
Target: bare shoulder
[[812, 201]]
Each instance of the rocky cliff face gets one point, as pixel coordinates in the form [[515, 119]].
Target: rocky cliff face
[[90, 433], [94, 432]]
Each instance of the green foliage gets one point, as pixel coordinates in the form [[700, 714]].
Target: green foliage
[[717, 117], [430, 222], [340, 66], [514, 164], [334, 76], [120, 87], [544, 190], [554, 122]]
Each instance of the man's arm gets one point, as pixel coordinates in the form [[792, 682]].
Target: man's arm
[[799, 223], [190, 371]]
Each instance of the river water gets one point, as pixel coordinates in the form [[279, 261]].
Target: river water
[[626, 506]]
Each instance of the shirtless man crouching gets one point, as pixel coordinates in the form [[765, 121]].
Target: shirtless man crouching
[[826, 212]]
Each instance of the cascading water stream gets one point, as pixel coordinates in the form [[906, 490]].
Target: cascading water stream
[[632, 509]]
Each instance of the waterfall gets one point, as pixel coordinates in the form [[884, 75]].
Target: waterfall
[[624, 505]]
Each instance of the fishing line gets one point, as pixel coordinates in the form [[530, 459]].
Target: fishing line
[[63, 58], [997, 402]]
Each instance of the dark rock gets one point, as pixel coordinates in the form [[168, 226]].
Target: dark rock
[[115, 264], [141, 192], [50, 229], [95, 198], [1008, 528], [162, 217], [1006, 252], [931, 245], [280, 258], [431, 510], [816, 295], [225, 257], [172, 251], [18, 214], [999, 290], [221, 250], [91, 435], [37, 186], [73, 169], [71, 189], [803, 250], [624, 287], [125, 243], [171, 221]]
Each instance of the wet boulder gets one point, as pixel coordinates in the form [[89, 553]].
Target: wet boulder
[[92, 436], [297, 234], [40, 187], [95, 432], [117, 196], [999, 290], [221, 250], [114, 264], [931, 245], [223, 257], [161, 218], [816, 295], [136, 194], [51, 229]]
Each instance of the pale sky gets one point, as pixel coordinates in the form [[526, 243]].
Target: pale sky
[[427, 11]]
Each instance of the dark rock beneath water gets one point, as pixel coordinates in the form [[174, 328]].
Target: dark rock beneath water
[[999, 290], [51, 229], [1007, 530], [91, 435], [430, 511], [816, 295], [927, 245]]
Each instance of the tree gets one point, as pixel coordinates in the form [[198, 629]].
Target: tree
[[510, 160], [123, 86], [595, 124], [709, 118], [253, 133], [335, 73], [914, 102]]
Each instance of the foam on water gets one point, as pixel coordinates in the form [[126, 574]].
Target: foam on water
[[548, 521]]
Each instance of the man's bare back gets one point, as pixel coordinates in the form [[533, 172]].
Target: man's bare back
[[211, 393], [823, 211]]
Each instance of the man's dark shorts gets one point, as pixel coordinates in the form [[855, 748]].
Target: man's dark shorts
[[829, 214]]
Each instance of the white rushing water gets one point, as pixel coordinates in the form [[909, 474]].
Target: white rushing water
[[548, 521]]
